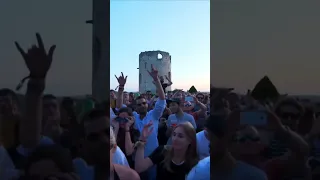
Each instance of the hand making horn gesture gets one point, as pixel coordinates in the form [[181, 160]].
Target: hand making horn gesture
[[37, 59], [154, 73], [121, 79]]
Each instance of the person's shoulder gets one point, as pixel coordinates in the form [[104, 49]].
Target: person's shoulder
[[126, 173], [201, 171], [171, 116], [253, 172], [200, 133]]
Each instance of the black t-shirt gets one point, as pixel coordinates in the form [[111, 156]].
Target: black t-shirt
[[179, 172], [134, 134]]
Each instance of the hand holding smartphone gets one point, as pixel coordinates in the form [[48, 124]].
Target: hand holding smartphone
[[253, 118]]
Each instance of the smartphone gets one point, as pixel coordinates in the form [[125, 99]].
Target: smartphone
[[188, 98], [121, 120], [254, 118]]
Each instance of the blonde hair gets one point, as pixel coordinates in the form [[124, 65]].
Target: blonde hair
[[191, 157]]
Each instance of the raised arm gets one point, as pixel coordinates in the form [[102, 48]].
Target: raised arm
[[122, 81], [38, 63], [203, 108], [142, 163], [161, 102]]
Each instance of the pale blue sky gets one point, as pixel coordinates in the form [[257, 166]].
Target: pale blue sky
[[181, 28]]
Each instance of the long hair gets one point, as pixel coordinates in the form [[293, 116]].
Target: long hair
[[192, 157]]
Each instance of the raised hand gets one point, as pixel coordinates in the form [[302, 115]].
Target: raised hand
[[154, 73], [121, 79], [37, 59], [146, 131], [195, 99], [131, 120]]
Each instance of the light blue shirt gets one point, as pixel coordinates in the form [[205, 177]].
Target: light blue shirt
[[154, 115], [174, 119], [201, 171], [86, 172], [203, 145]]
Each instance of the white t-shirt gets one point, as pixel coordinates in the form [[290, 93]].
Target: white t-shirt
[[203, 145]]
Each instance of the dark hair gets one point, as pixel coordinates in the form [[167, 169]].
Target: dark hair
[[306, 122], [9, 92], [289, 102], [126, 110], [60, 156], [217, 124], [140, 97], [67, 101], [49, 97]]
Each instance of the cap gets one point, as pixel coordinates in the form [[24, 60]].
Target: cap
[[176, 100]]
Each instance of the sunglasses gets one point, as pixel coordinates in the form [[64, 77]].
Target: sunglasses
[[143, 103], [243, 139], [96, 136]]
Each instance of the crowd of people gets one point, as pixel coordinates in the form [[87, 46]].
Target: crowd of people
[[166, 135]]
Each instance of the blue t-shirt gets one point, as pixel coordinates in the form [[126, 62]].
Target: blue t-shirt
[[241, 171]]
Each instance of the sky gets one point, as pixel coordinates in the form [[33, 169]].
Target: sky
[[181, 28], [276, 38]]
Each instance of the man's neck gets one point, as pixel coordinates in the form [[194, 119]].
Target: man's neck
[[142, 116], [225, 163], [180, 113]]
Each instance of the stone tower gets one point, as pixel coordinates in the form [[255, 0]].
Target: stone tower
[[160, 60]]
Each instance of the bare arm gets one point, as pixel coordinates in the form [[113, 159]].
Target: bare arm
[[160, 91], [298, 147], [202, 110], [129, 146], [119, 100], [30, 126], [141, 163]]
